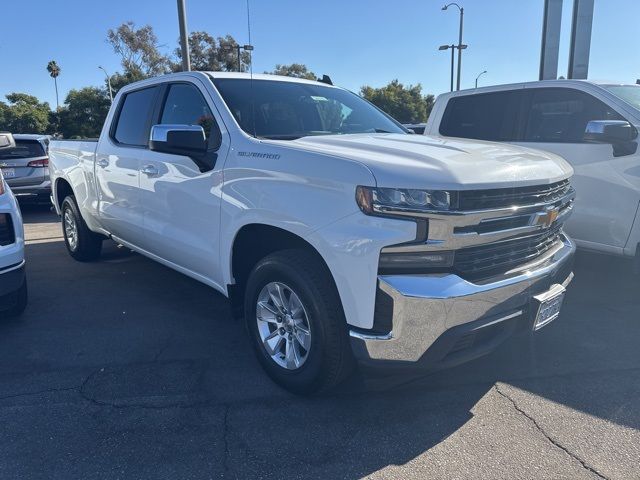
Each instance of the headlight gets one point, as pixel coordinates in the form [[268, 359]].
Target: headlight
[[372, 200]]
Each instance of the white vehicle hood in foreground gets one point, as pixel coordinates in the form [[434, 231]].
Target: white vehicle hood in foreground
[[418, 161]]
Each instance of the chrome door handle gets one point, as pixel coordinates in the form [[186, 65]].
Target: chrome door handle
[[149, 170], [103, 162]]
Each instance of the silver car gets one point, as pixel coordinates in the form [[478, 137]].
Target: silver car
[[25, 168]]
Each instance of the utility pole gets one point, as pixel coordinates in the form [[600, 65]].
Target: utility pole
[[184, 44]]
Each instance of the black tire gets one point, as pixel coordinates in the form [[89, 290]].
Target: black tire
[[22, 297], [88, 244], [329, 359]]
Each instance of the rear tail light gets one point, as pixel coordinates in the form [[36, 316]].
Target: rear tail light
[[43, 162]]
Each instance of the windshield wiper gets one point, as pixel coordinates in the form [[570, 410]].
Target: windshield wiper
[[286, 136]]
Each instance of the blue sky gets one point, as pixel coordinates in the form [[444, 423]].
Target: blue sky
[[356, 42]]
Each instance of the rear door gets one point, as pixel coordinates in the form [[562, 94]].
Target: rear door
[[182, 203], [606, 199], [24, 165], [117, 165]]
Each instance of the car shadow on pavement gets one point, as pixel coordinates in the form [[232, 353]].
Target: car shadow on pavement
[[139, 369]]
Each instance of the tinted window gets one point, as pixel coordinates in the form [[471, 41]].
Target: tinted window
[[289, 110], [562, 114], [185, 105], [628, 93], [488, 116], [135, 116], [23, 149]]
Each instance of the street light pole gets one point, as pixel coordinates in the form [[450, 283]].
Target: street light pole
[[184, 44], [459, 40], [479, 75], [447, 47], [108, 82]]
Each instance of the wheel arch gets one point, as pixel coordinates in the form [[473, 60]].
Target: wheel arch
[[252, 243], [62, 188]]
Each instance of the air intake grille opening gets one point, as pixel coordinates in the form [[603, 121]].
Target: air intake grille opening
[[7, 235], [485, 261]]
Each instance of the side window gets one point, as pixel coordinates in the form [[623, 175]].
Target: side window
[[560, 115], [185, 105], [135, 117], [487, 116]]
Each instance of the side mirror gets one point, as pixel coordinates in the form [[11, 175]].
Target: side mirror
[[610, 131], [188, 140], [6, 140]]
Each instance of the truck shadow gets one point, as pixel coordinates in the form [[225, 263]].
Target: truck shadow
[[165, 347]]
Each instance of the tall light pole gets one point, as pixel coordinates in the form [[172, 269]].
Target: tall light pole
[[479, 75], [459, 40], [108, 82], [453, 49], [184, 44], [447, 47]]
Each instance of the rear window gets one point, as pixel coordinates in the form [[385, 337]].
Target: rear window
[[134, 120], [487, 116], [23, 149]]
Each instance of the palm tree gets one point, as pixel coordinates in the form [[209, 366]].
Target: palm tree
[[54, 70]]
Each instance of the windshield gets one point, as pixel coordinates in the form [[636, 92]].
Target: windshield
[[290, 110], [628, 93]]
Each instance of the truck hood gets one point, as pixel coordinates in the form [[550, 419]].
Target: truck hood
[[420, 161]]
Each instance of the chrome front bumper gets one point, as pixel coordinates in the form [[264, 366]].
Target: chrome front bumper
[[432, 314]]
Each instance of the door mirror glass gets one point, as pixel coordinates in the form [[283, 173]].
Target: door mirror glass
[[609, 131], [188, 140]]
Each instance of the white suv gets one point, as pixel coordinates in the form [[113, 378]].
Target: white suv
[[593, 126]]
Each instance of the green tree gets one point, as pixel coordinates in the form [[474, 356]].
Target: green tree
[[212, 54], [24, 114], [54, 71], [405, 104], [84, 112], [139, 51], [298, 70]]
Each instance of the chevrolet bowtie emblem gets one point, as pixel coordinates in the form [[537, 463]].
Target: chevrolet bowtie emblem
[[547, 218]]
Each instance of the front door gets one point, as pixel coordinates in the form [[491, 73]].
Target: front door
[[181, 203], [606, 196]]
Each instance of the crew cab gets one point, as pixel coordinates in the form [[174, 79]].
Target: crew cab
[[594, 126], [335, 234]]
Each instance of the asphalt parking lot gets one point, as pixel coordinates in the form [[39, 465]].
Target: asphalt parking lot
[[126, 369]]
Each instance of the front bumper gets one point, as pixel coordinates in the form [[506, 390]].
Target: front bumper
[[442, 320], [11, 279]]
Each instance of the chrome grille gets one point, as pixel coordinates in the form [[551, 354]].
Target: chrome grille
[[508, 197], [480, 262]]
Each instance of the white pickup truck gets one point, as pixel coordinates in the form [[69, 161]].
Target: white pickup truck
[[593, 126], [334, 232]]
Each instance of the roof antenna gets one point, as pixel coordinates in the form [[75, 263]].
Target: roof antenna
[[326, 79], [253, 100]]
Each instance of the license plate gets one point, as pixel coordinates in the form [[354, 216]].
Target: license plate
[[9, 172], [549, 304]]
